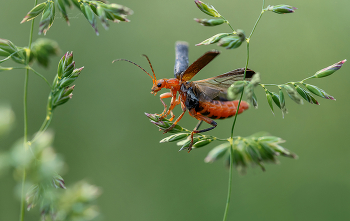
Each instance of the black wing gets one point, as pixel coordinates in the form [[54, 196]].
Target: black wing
[[216, 87]]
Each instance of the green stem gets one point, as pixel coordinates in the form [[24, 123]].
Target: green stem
[[291, 82], [257, 21], [25, 141], [231, 149], [279, 85], [43, 128], [41, 76], [229, 182], [25, 110], [35, 72], [46, 122], [270, 84], [23, 199], [227, 22], [235, 119], [307, 79]]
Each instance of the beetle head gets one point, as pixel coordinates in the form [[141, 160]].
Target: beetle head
[[158, 85]]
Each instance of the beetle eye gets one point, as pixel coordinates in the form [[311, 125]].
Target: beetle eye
[[159, 84]]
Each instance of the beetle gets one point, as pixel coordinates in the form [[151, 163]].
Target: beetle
[[205, 99]]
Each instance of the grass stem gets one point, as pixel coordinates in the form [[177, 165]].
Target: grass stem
[[235, 119], [25, 110]]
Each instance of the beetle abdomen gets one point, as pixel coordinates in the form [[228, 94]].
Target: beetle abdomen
[[221, 109]]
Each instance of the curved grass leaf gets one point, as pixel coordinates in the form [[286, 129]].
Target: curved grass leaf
[[269, 100], [293, 94], [188, 142], [5, 68], [282, 9], [275, 98], [89, 15], [67, 2], [207, 9], [214, 39], [255, 101], [236, 89], [47, 18], [210, 22], [174, 137], [282, 103], [305, 94], [230, 42], [17, 54], [217, 152], [90, 10], [202, 142], [37, 10], [329, 70], [251, 97], [318, 91], [76, 3], [62, 8], [258, 135], [102, 16]]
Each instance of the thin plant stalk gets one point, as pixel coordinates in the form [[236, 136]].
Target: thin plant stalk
[[227, 22], [234, 121], [35, 72], [46, 122], [41, 76], [229, 181], [25, 110]]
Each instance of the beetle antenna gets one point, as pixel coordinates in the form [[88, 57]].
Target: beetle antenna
[[154, 75], [122, 59]]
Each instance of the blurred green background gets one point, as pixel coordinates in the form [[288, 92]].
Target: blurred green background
[[105, 137]]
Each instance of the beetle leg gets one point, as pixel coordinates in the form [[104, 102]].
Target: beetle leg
[[170, 111], [162, 96], [200, 117], [198, 125], [174, 124]]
